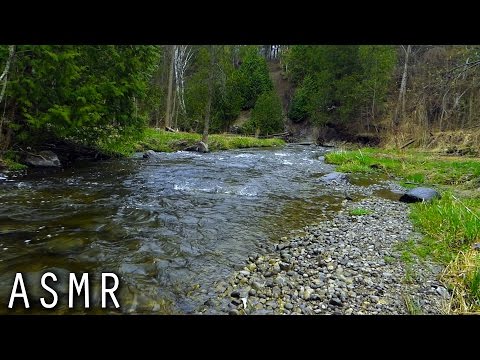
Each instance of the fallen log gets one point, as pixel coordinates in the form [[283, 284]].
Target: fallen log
[[408, 143]]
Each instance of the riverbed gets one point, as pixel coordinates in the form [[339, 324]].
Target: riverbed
[[170, 227]]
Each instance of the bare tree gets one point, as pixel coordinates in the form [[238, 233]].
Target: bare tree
[[4, 79], [4, 76], [168, 113], [211, 78], [400, 109], [183, 56]]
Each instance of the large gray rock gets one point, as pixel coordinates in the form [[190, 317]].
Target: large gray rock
[[199, 146], [337, 177], [149, 154], [43, 159], [2, 178], [420, 194]]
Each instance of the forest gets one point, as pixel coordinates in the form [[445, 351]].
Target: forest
[[401, 116], [97, 95]]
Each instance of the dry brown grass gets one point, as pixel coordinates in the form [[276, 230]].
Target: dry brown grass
[[461, 142], [462, 276]]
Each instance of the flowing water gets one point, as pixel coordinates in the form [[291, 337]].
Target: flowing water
[[169, 227]]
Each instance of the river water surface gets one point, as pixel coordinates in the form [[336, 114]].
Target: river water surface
[[169, 227]]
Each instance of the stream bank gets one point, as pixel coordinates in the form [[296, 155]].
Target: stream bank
[[350, 264]]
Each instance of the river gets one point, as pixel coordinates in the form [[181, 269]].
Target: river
[[169, 227]]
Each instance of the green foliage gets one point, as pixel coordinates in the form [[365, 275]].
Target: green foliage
[[267, 114], [337, 82], [234, 88], [81, 93], [253, 78]]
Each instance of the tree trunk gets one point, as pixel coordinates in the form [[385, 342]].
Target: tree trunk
[[4, 78], [210, 94], [168, 114], [174, 108], [400, 109]]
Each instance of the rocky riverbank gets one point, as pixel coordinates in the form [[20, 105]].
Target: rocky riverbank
[[350, 264]]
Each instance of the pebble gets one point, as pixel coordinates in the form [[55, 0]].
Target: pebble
[[337, 267]]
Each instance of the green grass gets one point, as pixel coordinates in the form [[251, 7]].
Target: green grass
[[9, 160], [473, 284], [13, 165], [412, 166], [450, 225], [169, 141], [389, 259], [165, 141], [360, 212], [412, 305]]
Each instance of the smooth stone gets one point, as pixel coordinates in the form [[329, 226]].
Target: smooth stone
[[335, 176], [442, 292], [308, 293], [420, 194], [336, 302]]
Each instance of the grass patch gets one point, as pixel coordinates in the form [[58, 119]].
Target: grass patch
[[13, 165], [166, 141], [450, 225], [10, 161], [360, 212], [389, 259], [169, 141], [412, 305], [412, 166], [463, 278]]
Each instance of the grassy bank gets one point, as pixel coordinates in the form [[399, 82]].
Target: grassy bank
[[165, 141], [451, 225]]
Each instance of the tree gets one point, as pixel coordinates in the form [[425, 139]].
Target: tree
[[267, 114], [211, 79], [400, 108], [85, 94], [4, 81], [168, 111], [378, 64], [253, 77], [183, 56]]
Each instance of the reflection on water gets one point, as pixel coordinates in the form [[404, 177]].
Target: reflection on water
[[169, 227]]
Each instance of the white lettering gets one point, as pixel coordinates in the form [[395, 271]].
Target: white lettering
[[78, 287], [14, 294], [110, 291], [50, 290]]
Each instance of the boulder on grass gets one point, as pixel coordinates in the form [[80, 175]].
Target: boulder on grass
[[420, 194], [199, 146]]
